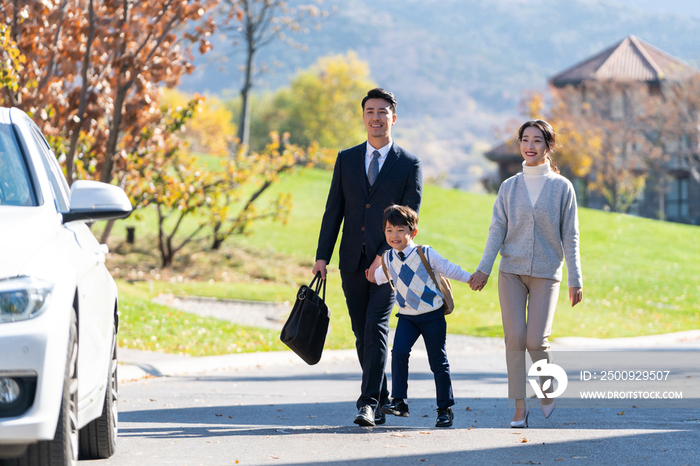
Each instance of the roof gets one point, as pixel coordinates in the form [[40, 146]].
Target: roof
[[507, 151], [631, 59]]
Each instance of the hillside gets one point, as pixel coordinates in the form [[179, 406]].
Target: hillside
[[640, 276], [460, 68]]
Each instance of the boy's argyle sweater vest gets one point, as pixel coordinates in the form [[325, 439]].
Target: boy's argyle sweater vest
[[415, 291]]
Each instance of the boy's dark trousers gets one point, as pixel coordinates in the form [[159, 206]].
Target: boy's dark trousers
[[433, 327]]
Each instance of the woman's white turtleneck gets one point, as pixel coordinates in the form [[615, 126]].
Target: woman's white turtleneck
[[535, 177]]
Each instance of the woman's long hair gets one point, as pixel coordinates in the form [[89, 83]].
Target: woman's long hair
[[549, 139]]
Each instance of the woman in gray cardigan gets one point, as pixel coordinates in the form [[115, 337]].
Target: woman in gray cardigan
[[534, 226]]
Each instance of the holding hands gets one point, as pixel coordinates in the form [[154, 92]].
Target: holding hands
[[478, 280]]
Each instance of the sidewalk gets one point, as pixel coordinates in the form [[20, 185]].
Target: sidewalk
[[136, 364]]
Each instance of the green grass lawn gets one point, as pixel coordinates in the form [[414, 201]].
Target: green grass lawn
[[640, 276]]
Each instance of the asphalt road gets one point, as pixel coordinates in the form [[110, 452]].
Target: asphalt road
[[274, 409]]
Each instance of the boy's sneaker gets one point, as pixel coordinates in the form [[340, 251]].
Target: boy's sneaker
[[445, 417], [397, 407]]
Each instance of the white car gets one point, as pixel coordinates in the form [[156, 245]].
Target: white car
[[58, 306]]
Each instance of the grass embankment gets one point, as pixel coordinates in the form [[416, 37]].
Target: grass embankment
[[640, 276]]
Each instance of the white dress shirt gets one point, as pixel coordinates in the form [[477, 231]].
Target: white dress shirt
[[382, 155], [438, 263]]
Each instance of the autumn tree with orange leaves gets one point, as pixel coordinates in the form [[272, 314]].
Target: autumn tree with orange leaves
[[94, 66], [620, 134], [90, 73], [164, 175]]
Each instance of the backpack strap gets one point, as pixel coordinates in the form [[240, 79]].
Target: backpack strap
[[386, 271], [427, 266]]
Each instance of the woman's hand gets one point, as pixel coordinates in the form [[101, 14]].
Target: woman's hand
[[575, 295], [478, 280]]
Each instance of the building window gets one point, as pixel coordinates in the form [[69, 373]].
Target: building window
[[677, 200], [617, 106]]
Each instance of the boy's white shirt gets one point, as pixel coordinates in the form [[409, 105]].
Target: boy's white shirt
[[438, 263]]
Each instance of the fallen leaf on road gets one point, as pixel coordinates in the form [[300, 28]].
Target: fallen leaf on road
[[423, 432], [468, 409], [152, 399], [523, 440], [399, 435], [559, 459], [218, 415], [230, 417], [469, 428], [274, 457], [426, 415], [621, 414]]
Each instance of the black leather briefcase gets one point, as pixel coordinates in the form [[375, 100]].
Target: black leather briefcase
[[306, 328]]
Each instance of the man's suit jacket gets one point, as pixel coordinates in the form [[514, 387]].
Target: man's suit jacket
[[351, 200]]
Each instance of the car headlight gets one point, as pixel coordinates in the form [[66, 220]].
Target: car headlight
[[23, 298]]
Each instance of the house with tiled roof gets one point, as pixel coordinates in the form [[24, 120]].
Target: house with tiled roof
[[629, 61]]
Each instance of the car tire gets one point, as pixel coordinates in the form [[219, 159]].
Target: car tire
[[63, 449], [98, 439]]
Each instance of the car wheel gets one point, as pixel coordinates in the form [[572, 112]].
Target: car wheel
[[98, 439], [63, 449]]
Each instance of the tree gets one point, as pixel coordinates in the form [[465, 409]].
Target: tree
[[211, 129], [11, 61], [577, 145], [97, 66], [610, 133], [321, 104], [680, 114], [162, 174], [261, 22]]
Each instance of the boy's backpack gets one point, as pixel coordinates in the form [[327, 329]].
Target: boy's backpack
[[444, 285]]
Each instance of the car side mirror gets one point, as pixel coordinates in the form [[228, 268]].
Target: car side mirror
[[93, 200]]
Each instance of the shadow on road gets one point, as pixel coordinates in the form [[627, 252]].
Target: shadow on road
[[496, 377]]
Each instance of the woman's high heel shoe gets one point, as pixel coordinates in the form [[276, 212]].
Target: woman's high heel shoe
[[521, 424], [547, 410]]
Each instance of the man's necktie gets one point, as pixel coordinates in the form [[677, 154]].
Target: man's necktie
[[402, 256], [373, 168]]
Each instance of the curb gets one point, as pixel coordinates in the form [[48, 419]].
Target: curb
[[173, 366]]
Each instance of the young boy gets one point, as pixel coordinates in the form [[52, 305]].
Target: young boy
[[421, 311]]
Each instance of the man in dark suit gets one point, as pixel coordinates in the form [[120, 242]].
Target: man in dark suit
[[367, 179]]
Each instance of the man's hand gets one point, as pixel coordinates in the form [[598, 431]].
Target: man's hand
[[478, 280], [575, 295], [320, 266], [372, 268]]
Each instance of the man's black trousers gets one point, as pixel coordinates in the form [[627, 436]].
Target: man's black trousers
[[369, 306]]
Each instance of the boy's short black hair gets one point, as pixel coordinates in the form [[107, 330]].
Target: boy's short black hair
[[400, 216], [379, 93]]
